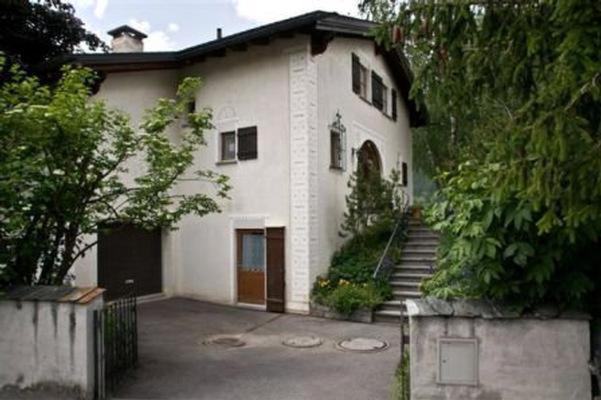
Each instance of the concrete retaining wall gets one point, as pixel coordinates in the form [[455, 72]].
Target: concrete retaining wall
[[48, 343], [536, 357]]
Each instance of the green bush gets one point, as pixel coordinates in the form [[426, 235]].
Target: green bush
[[349, 297], [374, 206]]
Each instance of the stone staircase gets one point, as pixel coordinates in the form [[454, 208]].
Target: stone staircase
[[417, 262]]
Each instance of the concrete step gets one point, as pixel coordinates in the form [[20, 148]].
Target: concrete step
[[421, 244], [419, 228], [417, 260], [414, 268], [422, 235], [391, 317], [410, 275], [406, 294], [393, 305], [419, 252], [402, 284]]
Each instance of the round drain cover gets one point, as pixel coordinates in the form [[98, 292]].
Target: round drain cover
[[303, 342], [362, 345], [227, 341]]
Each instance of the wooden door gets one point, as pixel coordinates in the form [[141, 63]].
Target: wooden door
[[129, 258], [275, 269], [250, 255]]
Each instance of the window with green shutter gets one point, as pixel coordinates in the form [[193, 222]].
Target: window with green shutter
[[377, 91]]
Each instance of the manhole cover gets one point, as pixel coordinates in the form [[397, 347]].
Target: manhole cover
[[362, 345], [303, 342], [225, 341]]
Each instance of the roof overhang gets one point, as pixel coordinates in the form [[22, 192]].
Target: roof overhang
[[321, 26]]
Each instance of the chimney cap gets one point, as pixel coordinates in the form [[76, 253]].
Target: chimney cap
[[128, 30]]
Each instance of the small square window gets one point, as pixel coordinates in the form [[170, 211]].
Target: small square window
[[228, 146]]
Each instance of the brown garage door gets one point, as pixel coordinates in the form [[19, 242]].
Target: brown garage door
[[129, 256]]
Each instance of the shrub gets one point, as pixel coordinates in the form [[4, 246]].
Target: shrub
[[349, 297], [374, 206]]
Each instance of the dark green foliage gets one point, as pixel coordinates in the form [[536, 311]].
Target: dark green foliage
[[347, 298], [34, 34], [375, 205], [513, 93]]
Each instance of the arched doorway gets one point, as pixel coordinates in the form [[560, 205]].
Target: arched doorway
[[369, 159]]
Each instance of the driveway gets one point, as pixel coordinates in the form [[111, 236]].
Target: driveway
[[177, 360]]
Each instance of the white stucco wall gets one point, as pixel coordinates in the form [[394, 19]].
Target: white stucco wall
[[47, 343], [244, 89], [363, 122], [291, 97]]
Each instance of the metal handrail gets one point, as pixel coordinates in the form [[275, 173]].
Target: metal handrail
[[396, 227], [392, 236]]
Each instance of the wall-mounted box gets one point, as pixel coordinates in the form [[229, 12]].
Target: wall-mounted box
[[457, 361]]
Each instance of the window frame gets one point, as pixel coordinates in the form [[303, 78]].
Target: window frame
[[222, 146], [377, 86], [336, 152], [338, 146]]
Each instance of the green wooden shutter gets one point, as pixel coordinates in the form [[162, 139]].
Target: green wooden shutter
[[247, 143], [394, 105], [376, 91], [356, 74]]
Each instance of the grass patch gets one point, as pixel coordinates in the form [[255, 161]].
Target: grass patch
[[400, 386]]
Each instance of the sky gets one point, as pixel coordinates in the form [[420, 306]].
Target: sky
[[177, 24]]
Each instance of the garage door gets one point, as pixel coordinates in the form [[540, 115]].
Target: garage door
[[129, 256]]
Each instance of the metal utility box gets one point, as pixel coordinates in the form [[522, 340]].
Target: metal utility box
[[458, 361]]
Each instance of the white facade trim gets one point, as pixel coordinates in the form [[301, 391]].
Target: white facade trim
[[303, 175]]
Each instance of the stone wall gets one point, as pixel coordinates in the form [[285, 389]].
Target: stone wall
[[542, 356], [48, 344]]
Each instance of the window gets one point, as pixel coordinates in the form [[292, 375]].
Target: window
[[191, 107], [377, 91], [228, 146], [359, 77], [253, 251], [335, 149], [247, 143], [337, 143], [394, 100], [384, 99], [363, 81], [404, 174]]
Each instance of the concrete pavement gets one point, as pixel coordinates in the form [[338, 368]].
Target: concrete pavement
[[176, 362]]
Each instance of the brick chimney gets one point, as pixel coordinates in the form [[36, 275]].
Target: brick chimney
[[127, 40]]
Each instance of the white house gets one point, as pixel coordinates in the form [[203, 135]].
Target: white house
[[298, 105]]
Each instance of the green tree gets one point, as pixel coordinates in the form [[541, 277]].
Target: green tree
[[64, 171], [373, 203], [514, 90], [35, 34]]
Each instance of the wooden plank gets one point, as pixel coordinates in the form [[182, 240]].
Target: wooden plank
[[276, 266]]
